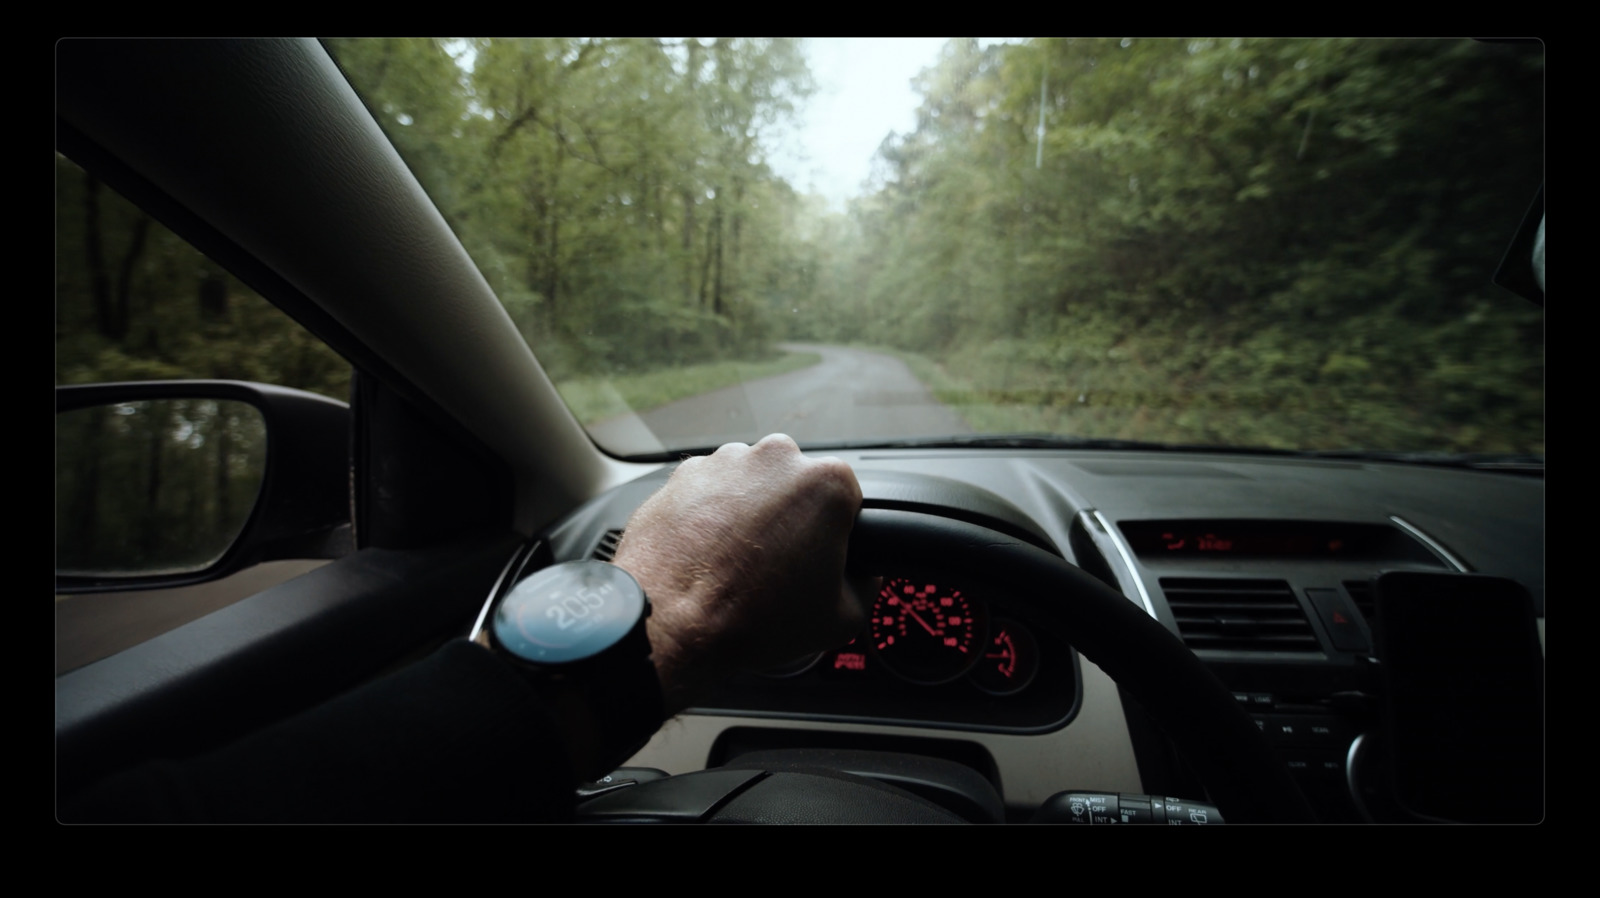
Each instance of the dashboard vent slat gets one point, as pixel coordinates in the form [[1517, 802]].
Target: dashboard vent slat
[[607, 548], [1239, 615]]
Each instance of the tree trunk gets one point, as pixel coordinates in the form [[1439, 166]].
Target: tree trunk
[[691, 78], [659, 210], [688, 247], [86, 504], [734, 280], [213, 294], [150, 538], [552, 264], [124, 297], [539, 202], [99, 280], [716, 235], [223, 430]]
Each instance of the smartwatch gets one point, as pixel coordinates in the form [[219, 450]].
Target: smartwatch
[[576, 632]]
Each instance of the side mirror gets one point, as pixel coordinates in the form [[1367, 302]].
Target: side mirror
[[169, 483], [1522, 269]]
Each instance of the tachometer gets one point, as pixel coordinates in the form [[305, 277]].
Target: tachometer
[[926, 633]]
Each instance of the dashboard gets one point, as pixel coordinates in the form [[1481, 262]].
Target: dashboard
[[1263, 566]]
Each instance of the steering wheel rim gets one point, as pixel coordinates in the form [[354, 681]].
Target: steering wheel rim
[[1248, 783]]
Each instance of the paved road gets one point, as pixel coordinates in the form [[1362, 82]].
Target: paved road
[[851, 394]]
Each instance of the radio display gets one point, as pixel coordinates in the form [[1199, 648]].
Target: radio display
[[1260, 539]]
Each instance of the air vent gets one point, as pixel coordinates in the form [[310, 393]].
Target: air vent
[[1366, 598], [1239, 615], [607, 549]]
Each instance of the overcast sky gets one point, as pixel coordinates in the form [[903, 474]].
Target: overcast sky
[[863, 93]]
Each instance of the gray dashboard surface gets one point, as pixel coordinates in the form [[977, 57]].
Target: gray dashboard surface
[[1493, 522]]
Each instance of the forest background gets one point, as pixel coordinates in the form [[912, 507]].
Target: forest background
[[1281, 243]]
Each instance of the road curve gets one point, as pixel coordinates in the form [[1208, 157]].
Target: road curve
[[852, 394]]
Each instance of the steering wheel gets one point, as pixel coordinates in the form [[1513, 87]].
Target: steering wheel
[[1230, 754]]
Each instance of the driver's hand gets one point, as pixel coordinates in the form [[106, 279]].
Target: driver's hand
[[742, 554]]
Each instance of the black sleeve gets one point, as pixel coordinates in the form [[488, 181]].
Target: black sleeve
[[457, 737]]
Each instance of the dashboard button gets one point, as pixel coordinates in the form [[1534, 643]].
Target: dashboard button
[[1190, 813], [1284, 729], [1079, 808], [1105, 809], [1327, 732], [1313, 764], [1138, 809], [1307, 730]]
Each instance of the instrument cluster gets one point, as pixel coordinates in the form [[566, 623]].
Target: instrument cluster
[[927, 633], [934, 653]]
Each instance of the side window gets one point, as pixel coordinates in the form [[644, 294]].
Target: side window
[[134, 301]]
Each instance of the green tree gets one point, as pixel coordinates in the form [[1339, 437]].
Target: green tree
[[136, 302]]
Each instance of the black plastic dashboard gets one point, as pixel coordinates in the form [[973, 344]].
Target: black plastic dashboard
[[1263, 565]]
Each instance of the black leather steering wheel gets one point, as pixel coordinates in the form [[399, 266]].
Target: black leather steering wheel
[[1231, 756], [1248, 783]]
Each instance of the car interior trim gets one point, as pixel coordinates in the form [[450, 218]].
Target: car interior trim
[[1127, 560], [1096, 748], [1073, 661], [186, 691], [512, 563], [1352, 756], [1444, 554]]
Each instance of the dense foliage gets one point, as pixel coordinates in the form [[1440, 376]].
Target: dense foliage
[[134, 301], [614, 192], [1246, 242], [1263, 242]]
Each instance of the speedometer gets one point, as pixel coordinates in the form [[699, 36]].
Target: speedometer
[[926, 633]]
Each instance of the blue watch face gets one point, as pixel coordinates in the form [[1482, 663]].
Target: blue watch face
[[568, 612]]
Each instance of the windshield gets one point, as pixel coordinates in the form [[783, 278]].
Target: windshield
[[1219, 242]]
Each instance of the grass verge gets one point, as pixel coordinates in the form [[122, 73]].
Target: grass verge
[[999, 389], [1149, 390]]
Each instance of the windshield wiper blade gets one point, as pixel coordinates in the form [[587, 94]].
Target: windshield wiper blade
[[1515, 463], [1532, 465], [1003, 441], [1477, 461], [958, 441]]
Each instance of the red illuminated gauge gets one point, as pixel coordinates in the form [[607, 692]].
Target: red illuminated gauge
[[1009, 659], [925, 633]]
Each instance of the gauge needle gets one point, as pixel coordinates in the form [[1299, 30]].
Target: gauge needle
[[918, 618]]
